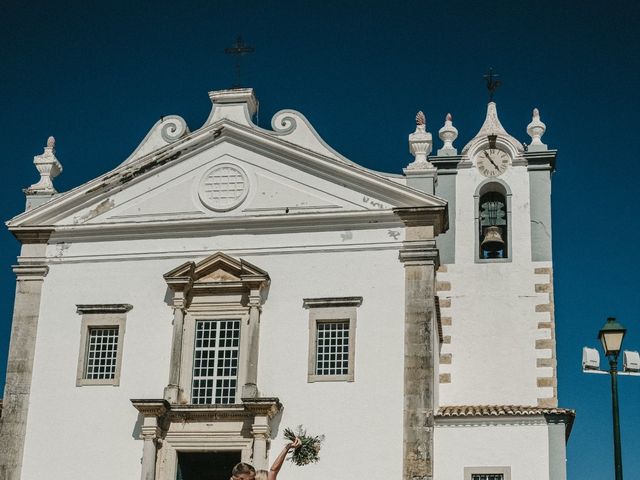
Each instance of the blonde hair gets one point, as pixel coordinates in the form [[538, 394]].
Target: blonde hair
[[262, 475]]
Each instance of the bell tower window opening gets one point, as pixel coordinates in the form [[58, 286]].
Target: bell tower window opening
[[493, 226]]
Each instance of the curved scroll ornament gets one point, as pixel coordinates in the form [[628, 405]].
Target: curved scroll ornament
[[284, 122], [173, 128]]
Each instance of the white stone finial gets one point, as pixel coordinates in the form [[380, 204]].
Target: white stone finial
[[420, 143], [448, 133], [536, 130], [49, 167]]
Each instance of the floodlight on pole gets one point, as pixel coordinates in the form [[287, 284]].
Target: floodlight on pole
[[611, 336]]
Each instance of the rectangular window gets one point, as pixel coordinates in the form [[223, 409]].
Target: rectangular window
[[487, 473], [101, 343], [215, 362], [102, 353], [332, 338], [332, 348]]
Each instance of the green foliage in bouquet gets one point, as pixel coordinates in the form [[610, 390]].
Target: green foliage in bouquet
[[309, 451]]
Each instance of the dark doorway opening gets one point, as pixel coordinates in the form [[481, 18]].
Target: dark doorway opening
[[206, 465]]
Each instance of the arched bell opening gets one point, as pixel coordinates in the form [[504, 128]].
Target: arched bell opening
[[493, 222]]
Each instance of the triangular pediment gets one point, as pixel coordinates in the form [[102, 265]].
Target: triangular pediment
[[221, 172], [217, 268]]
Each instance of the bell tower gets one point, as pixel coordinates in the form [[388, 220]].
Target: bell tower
[[495, 283], [495, 371]]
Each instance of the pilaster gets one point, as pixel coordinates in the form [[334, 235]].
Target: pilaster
[[30, 274], [250, 388], [420, 258], [172, 390], [261, 432], [153, 412]]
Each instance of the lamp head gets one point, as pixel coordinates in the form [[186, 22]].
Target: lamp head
[[611, 336]]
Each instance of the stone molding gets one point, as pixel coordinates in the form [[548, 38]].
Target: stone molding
[[541, 160], [281, 223], [215, 274], [31, 235], [151, 407], [103, 308], [26, 272], [437, 217], [331, 302], [249, 408]]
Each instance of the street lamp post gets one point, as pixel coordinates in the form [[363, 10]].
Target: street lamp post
[[611, 336]]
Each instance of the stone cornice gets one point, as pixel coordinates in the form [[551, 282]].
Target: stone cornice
[[249, 408], [151, 407], [217, 274], [37, 235], [331, 302], [446, 164], [103, 308], [542, 160], [438, 217], [281, 223], [419, 252], [30, 272]]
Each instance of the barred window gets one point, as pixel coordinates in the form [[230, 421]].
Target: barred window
[[332, 348], [102, 334], [487, 473], [102, 353], [215, 361], [332, 338]]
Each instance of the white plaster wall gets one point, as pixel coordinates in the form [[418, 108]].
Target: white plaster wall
[[77, 432], [494, 323], [524, 448]]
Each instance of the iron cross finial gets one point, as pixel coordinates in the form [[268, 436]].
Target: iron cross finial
[[492, 83], [238, 49]]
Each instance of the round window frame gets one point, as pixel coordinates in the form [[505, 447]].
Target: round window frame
[[202, 195]]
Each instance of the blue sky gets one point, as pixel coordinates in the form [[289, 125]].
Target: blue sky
[[98, 76]]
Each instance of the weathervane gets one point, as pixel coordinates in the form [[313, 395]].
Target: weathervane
[[238, 49], [492, 83]]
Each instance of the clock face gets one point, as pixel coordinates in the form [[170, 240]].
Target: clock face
[[492, 162]]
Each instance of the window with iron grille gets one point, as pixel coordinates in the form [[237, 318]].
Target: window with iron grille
[[102, 353], [487, 473], [332, 338], [332, 348], [215, 361], [102, 334], [487, 476]]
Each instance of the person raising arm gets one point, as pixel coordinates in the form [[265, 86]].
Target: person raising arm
[[277, 463]]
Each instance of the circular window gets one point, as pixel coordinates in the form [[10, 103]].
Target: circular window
[[224, 187]]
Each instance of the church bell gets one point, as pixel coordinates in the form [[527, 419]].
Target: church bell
[[492, 241]]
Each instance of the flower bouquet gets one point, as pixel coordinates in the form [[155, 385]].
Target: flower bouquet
[[309, 451]]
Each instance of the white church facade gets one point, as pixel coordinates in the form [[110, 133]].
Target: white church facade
[[173, 316]]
